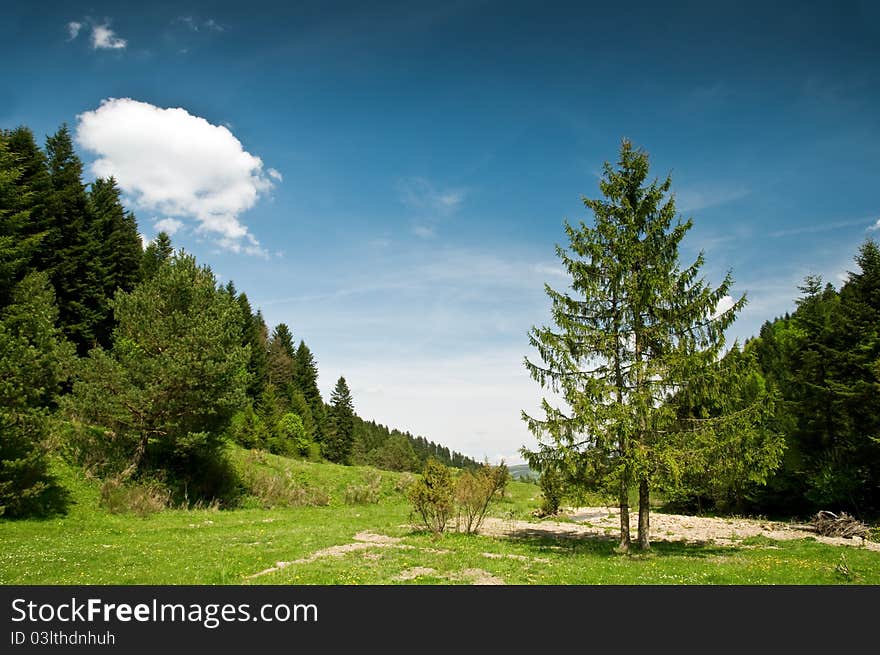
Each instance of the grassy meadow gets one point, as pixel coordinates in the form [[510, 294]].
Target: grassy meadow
[[358, 530]]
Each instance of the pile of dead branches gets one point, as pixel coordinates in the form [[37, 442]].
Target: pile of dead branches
[[829, 524]]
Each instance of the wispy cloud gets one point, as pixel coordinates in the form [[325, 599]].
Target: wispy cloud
[[420, 194], [103, 37], [548, 269], [424, 231], [198, 25], [690, 199], [73, 28], [826, 227]]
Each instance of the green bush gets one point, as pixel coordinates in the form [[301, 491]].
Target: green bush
[[474, 490], [141, 498], [367, 493], [552, 486], [281, 490], [433, 496]]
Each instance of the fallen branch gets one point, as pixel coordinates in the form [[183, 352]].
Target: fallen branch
[[829, 524]]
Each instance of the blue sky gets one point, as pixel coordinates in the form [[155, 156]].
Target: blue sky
[[416, 161]]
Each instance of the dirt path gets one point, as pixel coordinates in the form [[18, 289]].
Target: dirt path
[[604, 521]]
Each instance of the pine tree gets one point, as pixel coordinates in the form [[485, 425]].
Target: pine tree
[[34, 186], [34, 361], [119, 249], [254, 336], [339, 439], [305, 375], [174, 377], [636, 331], [283, 336], [281, 363], [156, 253], [16, 244], [69, 250]]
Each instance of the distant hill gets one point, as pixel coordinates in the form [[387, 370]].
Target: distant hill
[[520, 471]]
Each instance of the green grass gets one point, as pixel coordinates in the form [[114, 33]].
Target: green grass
[[177, 546]]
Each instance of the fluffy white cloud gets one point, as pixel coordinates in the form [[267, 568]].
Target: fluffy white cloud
[[169, 225], [73, 28], [177, 165], [103, 38], [275, 175], [724, 305]]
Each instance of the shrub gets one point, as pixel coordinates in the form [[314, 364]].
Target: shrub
[[282, 490], [141, 498], [364, 494], [552, 490], [432, 496], [474, 491]]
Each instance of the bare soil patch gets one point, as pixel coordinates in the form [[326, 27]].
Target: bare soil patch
[[605, 522]]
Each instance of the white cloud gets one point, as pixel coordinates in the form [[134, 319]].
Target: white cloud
[[73, 28], [547, 269], [694, 199], [169, 225], [177, 165], [419, 193], [196, 25], [424, 231], [103, 38], [274, 174], [876, 226], [723, 305]]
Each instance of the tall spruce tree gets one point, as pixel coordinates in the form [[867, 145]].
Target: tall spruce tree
[[119, 249], [16, 244], [34, 361], [69, 250], [281, 357], [339, 440], [34, 185], [305, 374], [254, 336], [157, 252], [634, 332]]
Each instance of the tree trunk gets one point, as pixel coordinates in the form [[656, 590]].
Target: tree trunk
[[624, 511], [644, 516]]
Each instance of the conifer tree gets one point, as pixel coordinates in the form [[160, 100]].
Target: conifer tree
[[70, 252], [16, 244], [33, 185], [305, 374], [635, 330], [284, 337], [254, 336], [119, 249], [174, 377], [339, 439], [156, 253], [34, 361], [281, 357]]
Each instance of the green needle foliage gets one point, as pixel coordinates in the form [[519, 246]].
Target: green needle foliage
[[339, 440], [175, 375], [34, 361], [635, 334]]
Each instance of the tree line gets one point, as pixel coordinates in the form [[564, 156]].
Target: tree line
[[134, 361]]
